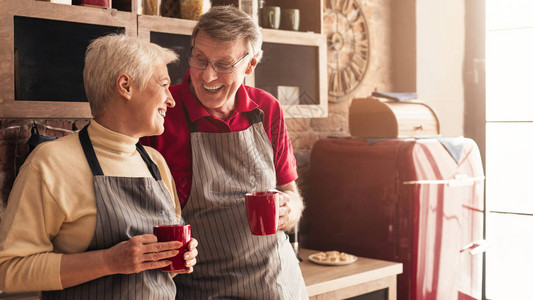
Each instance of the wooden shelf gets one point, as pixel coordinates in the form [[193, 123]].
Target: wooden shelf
[[306, 69], [39, 108], [311, 13], [22, 82], [163, 24]]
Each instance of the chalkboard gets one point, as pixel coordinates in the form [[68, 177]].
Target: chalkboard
[[49, 58], [181, 44], [282, 66]]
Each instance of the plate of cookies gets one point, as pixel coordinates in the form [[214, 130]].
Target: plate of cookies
[[332, 258]]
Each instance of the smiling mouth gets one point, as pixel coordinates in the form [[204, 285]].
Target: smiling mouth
[[162, 112], [212, 89]]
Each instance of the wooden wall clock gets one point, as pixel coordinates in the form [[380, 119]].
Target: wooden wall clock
[[348, 46]]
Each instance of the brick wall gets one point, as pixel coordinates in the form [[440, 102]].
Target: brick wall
[[14, 135], [304, 132]]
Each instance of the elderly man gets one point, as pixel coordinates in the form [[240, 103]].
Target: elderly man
[[222, 140]]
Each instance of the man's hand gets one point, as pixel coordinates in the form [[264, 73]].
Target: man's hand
[[290, 206]]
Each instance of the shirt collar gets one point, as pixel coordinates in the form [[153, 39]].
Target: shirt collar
[[112, 140], [197, 111]]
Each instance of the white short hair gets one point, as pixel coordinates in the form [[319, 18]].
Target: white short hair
[[113, 54]]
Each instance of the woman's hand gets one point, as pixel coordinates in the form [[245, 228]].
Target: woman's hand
[[140, 253], [190, 258]]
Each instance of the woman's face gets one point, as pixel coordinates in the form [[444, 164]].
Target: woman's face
[[216, 91], [150, 104]]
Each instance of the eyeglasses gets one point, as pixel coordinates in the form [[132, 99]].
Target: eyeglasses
[[218, 66]]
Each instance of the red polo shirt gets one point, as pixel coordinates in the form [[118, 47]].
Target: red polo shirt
[[175, 143]]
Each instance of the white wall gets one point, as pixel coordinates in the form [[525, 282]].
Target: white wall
[[440, 48]]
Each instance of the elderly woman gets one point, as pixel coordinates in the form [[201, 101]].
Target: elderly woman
[[79, 218], [222, 140]]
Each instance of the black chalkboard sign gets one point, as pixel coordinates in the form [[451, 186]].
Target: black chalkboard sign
[[282, 65], [49, 58], [181, 44]]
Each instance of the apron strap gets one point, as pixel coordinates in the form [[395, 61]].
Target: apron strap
[[154, 170], [95, 165], [255, 116], [193, 127], [89, 152]]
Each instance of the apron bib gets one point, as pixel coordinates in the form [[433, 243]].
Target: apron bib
[[126, 206], [233, 263]]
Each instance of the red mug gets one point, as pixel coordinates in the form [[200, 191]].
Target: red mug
[[100, 3], [262, 209], [180, 233]]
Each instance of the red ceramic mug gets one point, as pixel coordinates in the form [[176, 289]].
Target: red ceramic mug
[[180, 233], [100, 3], [262, 209]]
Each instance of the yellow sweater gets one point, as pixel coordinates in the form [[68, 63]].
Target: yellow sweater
[[52, 209]]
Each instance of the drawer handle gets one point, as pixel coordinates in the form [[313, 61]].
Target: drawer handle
[[458, 180], [420, 127], [475, 247]]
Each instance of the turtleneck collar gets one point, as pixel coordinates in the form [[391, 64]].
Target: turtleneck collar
[[117, 142]]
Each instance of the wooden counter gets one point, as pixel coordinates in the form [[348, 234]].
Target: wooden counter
[[363, 276], [339, 282]]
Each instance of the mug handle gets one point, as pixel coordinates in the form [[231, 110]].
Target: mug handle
[[293, 24], [271, 19]]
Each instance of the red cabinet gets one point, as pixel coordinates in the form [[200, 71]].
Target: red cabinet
[[414, 201]]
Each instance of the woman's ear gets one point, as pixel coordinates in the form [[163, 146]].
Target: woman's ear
[[124, 85], [251, 66]]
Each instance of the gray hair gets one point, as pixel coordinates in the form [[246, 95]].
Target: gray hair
[[226, 24], [113, 54]]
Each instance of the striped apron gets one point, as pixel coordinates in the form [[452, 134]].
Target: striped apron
[[126, 207], [233, 263]]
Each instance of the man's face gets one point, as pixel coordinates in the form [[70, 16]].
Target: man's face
[[216, 91]]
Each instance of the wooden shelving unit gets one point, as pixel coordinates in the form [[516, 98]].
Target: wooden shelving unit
[[31, 82], [26, 11]]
